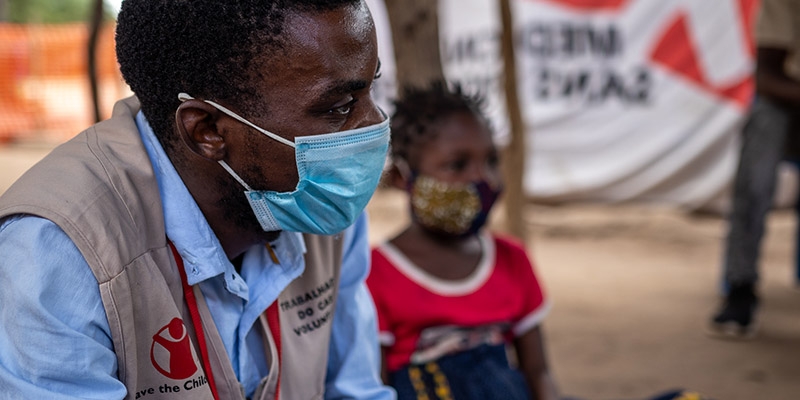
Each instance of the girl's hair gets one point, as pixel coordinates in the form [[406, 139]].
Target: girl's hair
[[419, 110]]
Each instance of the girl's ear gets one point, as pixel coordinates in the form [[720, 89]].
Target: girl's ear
[[399, 174], [394, 178]]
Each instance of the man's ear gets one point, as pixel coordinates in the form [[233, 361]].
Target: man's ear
[[196, 123]]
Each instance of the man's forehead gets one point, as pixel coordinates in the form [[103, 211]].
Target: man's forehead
[[334, 45], [311, 27]]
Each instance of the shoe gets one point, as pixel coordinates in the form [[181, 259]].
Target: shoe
[[737, 318]]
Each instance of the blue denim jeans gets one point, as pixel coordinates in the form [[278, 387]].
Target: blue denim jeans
[[764, 140]]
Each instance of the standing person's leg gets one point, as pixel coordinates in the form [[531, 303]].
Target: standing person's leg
[[792, 155], [763, 141]]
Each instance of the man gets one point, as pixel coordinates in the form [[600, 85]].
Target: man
[[770, 131], [211, 242]]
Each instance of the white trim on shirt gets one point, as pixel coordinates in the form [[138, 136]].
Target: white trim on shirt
[[533, 319], [440, 286]]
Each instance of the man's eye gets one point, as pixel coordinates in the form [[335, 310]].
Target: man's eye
[[343, 109], [378, 72]]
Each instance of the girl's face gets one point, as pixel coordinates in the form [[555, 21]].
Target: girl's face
[[461, 152]]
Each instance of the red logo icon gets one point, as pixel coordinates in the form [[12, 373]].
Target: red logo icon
[[172, 353], [593, 5], [677, 52]]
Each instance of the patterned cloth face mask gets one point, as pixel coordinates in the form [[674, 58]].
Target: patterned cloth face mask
[[455, 209], [338, 174]]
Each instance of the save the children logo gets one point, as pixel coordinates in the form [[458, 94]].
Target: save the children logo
[[172, 353]]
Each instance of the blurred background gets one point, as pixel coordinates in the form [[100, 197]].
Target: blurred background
[[620, 121], [45, 93]]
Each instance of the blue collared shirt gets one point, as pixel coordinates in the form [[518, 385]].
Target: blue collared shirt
[[55, 341]]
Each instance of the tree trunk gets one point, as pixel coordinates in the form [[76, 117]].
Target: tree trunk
[[415, 35], [514, 154]]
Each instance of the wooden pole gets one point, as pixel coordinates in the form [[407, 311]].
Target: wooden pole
[[514, 154], [95, 24], [415, 36]]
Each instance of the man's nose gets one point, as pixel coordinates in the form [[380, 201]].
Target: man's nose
[[374, 115]]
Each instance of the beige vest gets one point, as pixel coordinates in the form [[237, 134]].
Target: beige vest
[[100, 189]]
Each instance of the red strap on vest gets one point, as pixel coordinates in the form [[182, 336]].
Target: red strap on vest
[[191, 302], [275, 328]]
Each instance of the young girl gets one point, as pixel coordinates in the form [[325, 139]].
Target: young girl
[[451, 296]]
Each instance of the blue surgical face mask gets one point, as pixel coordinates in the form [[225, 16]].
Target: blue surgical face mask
[[338, 174]]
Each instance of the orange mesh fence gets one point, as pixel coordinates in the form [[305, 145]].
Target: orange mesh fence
[[44, 85]]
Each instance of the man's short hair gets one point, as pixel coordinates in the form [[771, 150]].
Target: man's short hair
[[207, 48]]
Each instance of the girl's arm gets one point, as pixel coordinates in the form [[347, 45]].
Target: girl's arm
[[533, 364], [384, 371]]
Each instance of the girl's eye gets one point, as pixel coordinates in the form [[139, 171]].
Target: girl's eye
[[458, 165], [494, 160]]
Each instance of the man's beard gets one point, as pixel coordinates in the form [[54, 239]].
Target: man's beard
[[237, 210]]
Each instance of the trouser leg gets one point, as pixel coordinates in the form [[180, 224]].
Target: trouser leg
[[763, 140]]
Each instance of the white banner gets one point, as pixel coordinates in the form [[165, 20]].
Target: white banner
[[623, 99]]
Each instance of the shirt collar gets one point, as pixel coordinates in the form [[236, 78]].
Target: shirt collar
[[186, 226]]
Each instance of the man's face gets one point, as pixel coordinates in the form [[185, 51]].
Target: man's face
[[320, 83]]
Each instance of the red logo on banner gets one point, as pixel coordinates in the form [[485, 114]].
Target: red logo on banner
[[171, 352], [676, 49], [677, 52], [593, 5]]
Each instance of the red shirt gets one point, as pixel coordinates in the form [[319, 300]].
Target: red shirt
[[422, 317]]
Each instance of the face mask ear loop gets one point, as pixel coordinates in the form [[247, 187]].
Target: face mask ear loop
[[234, 175], [184, 97]]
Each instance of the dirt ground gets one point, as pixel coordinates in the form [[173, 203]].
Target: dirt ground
[[633, 287]]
